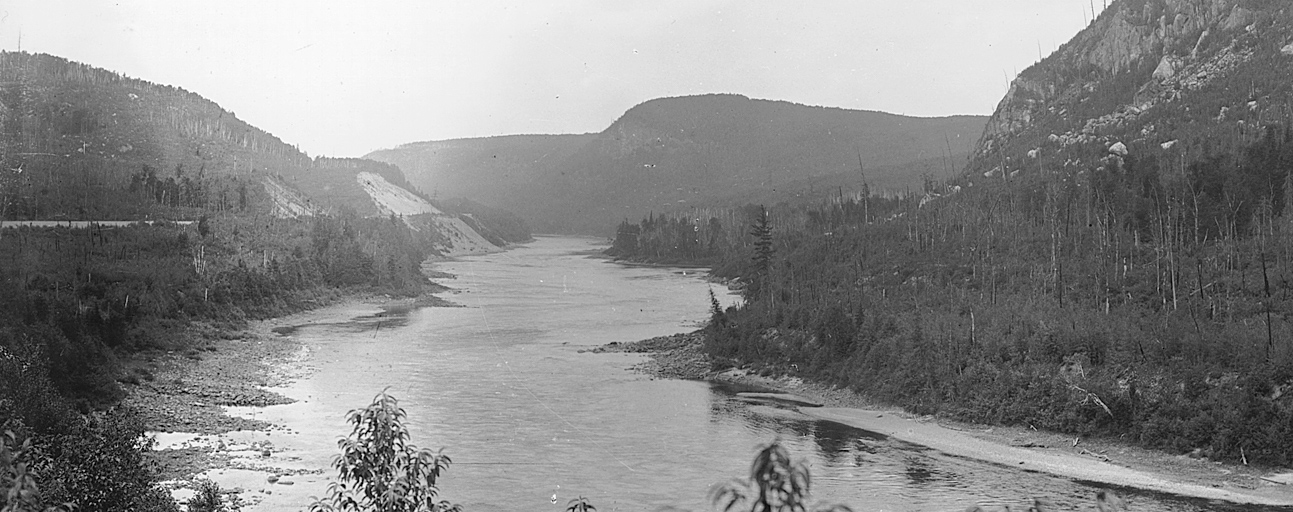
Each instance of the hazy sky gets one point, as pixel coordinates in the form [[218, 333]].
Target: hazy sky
[[342, 78]]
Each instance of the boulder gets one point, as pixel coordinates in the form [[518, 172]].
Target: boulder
[[1167, 68]]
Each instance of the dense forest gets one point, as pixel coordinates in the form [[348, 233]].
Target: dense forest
[[1138, 299]]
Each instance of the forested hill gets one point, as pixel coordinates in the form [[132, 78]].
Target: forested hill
[[670, 154], [82, 143], [72, 135], [1117, 259]]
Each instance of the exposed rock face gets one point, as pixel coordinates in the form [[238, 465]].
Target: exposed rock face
[[1136, 55], [1167, 67], [287, 202]]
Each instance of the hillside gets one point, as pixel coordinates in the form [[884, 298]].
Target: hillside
[[890, 180], [82, 143], [1178, 80], [672, 153], [73, 136]]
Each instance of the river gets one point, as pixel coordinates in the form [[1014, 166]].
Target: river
[[530, 421]]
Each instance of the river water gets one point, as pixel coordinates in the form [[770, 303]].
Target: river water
[[530, 421]]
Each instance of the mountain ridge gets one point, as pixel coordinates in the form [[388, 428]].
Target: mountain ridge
[[670, 153]]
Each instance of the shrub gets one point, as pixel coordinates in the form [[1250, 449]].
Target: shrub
[[206, 498], [18, 488], [101, 465], [379, 470]]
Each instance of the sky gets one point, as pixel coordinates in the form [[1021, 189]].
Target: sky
[[342, 78]]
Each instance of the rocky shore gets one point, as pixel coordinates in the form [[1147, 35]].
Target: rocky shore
[[199, 404], [186, 392], [680, 356]]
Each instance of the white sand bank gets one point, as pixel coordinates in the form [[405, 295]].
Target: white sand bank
[[1042, 460]]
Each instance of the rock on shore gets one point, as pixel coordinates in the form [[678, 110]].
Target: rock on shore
[[187, 392], [679, 356]]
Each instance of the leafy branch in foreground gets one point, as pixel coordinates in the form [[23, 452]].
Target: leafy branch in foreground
[[379, 470], [776, 484], [18, 489], [580, 504]]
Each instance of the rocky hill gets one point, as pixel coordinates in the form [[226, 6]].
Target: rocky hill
[[1182, 80], [673, 153]]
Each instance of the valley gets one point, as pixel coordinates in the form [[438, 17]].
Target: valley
[[1088, 289]]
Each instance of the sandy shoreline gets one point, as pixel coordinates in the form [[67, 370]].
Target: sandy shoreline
[[1102, 461]]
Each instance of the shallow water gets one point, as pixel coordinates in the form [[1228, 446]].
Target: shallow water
[[528, 419]]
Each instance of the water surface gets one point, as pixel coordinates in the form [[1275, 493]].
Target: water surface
[[528, 418]]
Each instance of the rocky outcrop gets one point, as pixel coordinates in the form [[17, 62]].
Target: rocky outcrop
[[390, 199], [287, 203], [1151, 51]]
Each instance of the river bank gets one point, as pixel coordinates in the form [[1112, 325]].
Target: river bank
[[202, 406], [1106, 461]]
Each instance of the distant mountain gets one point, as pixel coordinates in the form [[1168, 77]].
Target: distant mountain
[[493, 170], [1174, 80], [671, 153]]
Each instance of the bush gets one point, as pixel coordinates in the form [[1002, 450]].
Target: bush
[[379, 470], [101, 466], [206, 498], [18, 488]]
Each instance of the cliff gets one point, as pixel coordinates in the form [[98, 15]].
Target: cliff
[[1147, 74]]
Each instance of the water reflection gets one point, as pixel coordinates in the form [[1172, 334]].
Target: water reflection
[[868, 470], [918, 470], [834, 440]]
